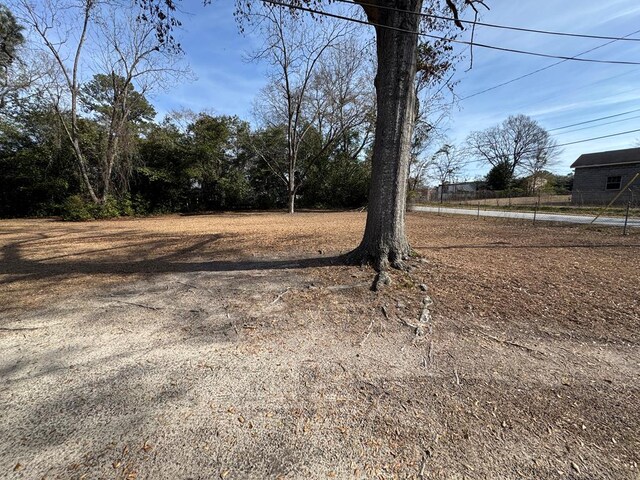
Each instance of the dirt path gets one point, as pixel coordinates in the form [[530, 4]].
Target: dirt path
[[232, 346]]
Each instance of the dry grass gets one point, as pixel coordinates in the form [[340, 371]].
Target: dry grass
[[235, 346]]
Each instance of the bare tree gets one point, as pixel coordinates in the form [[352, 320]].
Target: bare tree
[[426, 135], [446, 163], [316, 92], [94, 36], [436, 65], [342, 99], [418, 170], [519, 143], [545, 157]]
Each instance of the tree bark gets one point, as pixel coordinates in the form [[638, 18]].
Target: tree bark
[[291, 181], [291, 200], [384, 242]]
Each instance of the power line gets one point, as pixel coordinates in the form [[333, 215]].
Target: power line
[[594, 120], [597, 138], [566, 144], [575, 57], [463, 42], [599, 125], [493, 25], [364, 22], [562, 94]]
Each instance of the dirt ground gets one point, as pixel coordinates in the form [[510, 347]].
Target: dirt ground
[[236, 346]]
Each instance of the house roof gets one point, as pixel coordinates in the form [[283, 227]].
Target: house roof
[[612, 157], [471, 182]]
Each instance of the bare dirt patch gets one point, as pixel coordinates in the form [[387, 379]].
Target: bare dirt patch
[[236, 346]]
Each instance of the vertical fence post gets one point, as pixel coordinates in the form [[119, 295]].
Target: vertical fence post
[[535, 213], [478, 210], [626, 219]]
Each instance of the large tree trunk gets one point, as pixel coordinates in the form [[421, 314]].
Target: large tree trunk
[[384, 240]]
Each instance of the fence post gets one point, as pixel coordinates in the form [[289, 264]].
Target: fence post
[[478, 210], [535, 212], [626, 219]]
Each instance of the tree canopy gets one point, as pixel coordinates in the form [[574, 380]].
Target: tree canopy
[[10, 37]]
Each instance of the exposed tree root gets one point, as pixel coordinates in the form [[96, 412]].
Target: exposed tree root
[[382, 278], [381, 259]]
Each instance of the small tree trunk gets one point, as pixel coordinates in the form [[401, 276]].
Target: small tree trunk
[[110, 159], [291, 184], [384, 240], [292, 201], [83, 171]]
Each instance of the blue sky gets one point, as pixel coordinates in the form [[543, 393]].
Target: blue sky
[[564, 94], [216, 51]]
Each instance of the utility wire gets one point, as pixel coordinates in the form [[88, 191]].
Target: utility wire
[[594, 120], [562, 94], [493, 25], [585, 140], [463, 42], [598, 138], [575, 57], [599, 125], [364, 22]]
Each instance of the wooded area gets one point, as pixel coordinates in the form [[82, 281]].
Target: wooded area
[[89, 146]]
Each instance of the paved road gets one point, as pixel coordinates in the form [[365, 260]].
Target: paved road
[[543, 217]]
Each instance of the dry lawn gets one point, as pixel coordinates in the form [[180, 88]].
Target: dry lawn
[[236, 346]]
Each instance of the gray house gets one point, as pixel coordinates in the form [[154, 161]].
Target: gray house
[[601, 176], [459, 190]]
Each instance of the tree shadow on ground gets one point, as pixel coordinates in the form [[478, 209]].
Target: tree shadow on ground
[[142, 255]]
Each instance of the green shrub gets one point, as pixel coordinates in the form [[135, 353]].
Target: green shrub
[[140, 205], [76, 209], [125, 206], [109, 209]]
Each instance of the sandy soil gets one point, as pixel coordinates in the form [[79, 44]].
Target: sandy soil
[[236, 346]]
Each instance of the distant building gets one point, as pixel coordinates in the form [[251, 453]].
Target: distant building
[[459, 190], [601, 176]]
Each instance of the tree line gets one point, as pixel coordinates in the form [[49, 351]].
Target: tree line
[[84, 146], [208, 163]]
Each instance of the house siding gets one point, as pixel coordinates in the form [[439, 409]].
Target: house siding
[[589, 185], [458, 191]]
